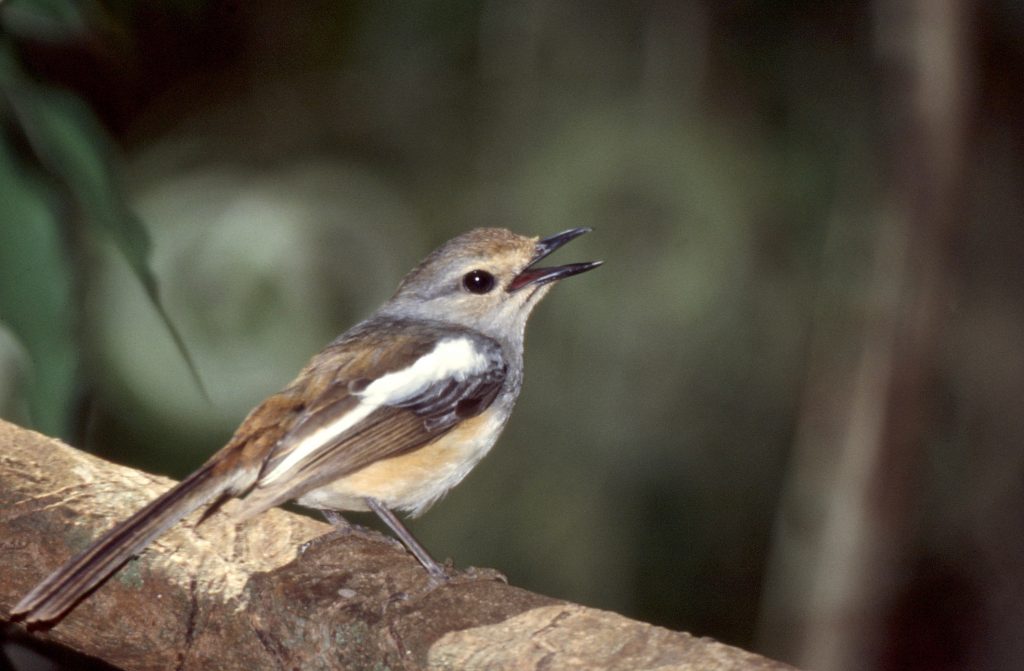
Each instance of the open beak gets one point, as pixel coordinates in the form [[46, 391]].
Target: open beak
[[535, 277]]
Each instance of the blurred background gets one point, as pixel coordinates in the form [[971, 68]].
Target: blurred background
[[785, 414]]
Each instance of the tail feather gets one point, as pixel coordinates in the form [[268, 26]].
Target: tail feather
[[65, 586]]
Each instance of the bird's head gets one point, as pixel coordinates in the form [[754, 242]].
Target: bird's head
[[486, 279]]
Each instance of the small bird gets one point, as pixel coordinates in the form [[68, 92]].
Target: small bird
[[390, 416]]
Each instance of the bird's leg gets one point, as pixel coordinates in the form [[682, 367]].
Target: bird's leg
[[343, 527], [339, 527], [417, 550], [335, 519]]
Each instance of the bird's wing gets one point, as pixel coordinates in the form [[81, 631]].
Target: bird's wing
[[368, 400]]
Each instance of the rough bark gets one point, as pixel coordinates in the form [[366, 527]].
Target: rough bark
[[261, 595]]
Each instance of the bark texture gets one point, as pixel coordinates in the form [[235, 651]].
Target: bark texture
[[277, 593]]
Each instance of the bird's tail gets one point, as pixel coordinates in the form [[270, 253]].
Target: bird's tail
[[64, 587]]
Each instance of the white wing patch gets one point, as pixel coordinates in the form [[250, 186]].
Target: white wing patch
[[456, 358]]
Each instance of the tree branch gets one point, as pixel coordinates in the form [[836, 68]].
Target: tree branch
[[262, 596]]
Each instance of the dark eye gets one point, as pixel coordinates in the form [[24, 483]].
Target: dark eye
[[478, 281]]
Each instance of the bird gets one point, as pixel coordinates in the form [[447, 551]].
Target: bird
[[388, 417]]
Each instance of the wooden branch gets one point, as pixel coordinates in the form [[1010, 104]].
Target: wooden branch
[[263, 596]]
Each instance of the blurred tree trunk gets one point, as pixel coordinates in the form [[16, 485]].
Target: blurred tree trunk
[[848, 516]]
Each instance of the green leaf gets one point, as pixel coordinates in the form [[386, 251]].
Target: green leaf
[[36, 294], [71, 146]]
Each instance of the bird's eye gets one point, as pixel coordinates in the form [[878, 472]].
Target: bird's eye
[[478, 281]]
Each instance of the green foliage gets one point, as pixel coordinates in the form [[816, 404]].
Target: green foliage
[[36, 287], [59, 188]]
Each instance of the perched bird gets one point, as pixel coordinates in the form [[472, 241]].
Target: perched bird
[[390, 416]]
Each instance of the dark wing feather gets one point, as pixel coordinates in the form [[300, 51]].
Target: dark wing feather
[[388, 431], [443, 405]]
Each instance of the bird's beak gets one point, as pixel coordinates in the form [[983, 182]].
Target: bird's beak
[[531, 276]]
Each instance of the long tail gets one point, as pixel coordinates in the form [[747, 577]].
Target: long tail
[[64, 587]]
